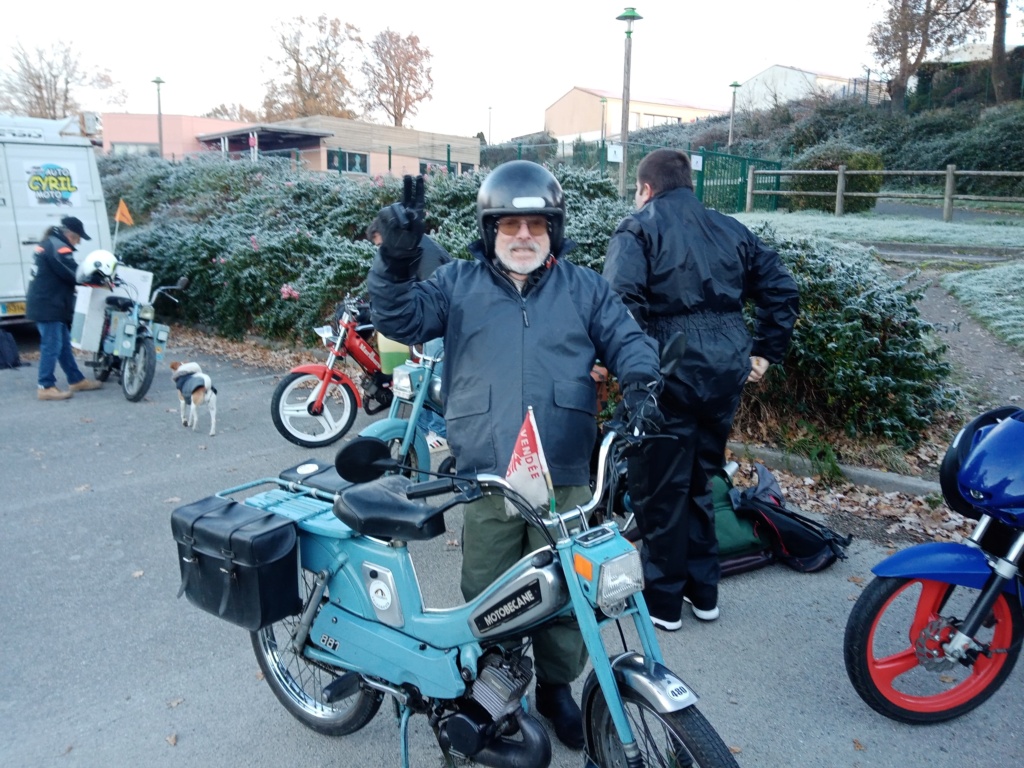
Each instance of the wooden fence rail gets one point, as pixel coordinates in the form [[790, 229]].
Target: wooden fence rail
[[947, 197]]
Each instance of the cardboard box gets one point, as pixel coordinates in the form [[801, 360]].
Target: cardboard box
[[90, 303]]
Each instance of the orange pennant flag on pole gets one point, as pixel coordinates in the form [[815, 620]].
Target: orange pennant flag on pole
[[122, 215], [528, 470]]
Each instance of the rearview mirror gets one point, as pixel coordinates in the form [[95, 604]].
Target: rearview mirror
[[364, 459], [182, 282]]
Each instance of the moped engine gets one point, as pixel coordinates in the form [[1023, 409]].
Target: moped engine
[[492, 707], [377, 393]]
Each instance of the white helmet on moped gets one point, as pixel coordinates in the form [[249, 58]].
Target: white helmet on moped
[[97, 268]]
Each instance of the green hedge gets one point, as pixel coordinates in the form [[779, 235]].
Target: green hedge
[[861, 360], [829, 156], [270, 249]]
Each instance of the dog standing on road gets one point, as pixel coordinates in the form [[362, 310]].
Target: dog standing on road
[[195, 388]]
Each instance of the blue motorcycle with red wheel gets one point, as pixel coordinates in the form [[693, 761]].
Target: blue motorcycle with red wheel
[[939, 629]]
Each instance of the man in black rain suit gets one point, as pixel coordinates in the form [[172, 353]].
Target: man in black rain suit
[[681, 267]]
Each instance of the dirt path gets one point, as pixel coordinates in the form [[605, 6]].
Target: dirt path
[[990, 372]]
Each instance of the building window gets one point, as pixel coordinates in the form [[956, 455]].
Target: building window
[[434, 166], [350, 162], [124, 148], [467, 167]]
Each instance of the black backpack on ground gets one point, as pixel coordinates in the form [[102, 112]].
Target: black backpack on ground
[[755, 528], [9, 357]]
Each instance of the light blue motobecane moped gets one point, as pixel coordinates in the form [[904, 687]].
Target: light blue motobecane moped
[[353, 627], [415, 387]]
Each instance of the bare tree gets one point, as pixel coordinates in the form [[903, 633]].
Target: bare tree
[[397, 76], [313, 79], [42, 82], [235, 112], [912, 29]]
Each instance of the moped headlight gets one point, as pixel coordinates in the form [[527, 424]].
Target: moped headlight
[[620, 577], [146, 312], [401, 383]]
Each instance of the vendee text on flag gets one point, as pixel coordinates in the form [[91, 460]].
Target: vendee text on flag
[[528, 469]]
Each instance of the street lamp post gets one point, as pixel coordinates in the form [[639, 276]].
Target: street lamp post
[[488, 126], [629, 16], [732, 114], [159, 116]]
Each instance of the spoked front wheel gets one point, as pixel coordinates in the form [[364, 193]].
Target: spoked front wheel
[[298, 683], [895, 656], [301, 420], [683, 738], [410, 461], [137, 371]]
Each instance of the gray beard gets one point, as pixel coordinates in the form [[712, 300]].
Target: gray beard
[[517, 270]]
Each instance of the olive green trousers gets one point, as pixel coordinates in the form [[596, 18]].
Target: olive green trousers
[[492, 542]]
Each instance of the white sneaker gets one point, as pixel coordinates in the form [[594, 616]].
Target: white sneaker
[[668, 626], [709, 615]]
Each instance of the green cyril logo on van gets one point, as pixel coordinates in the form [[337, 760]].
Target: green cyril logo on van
[[51, 184]]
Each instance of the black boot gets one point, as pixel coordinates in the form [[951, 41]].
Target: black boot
[[556, 703]]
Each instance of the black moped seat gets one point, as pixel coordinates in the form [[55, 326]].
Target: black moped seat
[[120, 303], [381, 509], [316, 474]]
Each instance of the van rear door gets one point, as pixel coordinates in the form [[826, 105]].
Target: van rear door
[[46, 183]]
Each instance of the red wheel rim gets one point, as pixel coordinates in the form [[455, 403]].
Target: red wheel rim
[[886, 671]]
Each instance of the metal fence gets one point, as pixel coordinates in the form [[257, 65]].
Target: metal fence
[[720, 179]]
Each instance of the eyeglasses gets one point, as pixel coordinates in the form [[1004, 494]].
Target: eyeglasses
[[537, 225]]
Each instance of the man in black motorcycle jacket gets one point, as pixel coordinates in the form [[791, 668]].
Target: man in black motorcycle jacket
[[51, 306], [522, 326], [681, 267]]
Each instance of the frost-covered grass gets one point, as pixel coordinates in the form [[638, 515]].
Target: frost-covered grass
[[995, 297], [869, 227]]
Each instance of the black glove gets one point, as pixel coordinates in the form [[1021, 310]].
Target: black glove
[[401, 229], [640, 403]]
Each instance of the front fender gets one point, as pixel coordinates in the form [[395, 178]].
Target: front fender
[[337, 377], [947, 562], [394, 429], [650, 682]]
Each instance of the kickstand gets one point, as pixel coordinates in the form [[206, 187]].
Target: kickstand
[[403, 713]]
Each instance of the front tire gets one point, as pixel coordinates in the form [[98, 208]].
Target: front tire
[[894, 655], [298, 683], [137, 371], [292, 404], [410, 462], [664, 738]]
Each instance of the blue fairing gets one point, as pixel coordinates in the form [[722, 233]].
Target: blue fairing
[[941, 561]]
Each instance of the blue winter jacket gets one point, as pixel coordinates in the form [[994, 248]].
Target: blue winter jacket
[[51, 293], [505, 351]]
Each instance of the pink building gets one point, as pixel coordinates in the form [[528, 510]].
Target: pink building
[[140, 134]]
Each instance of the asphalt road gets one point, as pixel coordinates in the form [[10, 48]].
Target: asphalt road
[[102, 666]]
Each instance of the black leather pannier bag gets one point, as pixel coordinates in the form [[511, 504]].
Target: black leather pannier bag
[[237, 562]]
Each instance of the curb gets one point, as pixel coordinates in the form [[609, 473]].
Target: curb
[[886, 482], [938, 252]]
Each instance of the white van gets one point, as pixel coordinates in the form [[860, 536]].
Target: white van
[[47, 171]]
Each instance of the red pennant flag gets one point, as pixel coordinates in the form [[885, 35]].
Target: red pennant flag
[[123, 215], [528, 470]]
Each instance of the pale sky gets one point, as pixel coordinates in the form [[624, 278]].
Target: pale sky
[[496, 66]]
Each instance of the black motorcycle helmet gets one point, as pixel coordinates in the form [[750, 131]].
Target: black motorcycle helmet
[[520, 188]]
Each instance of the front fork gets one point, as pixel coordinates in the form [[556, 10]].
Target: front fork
[[643, 674]]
